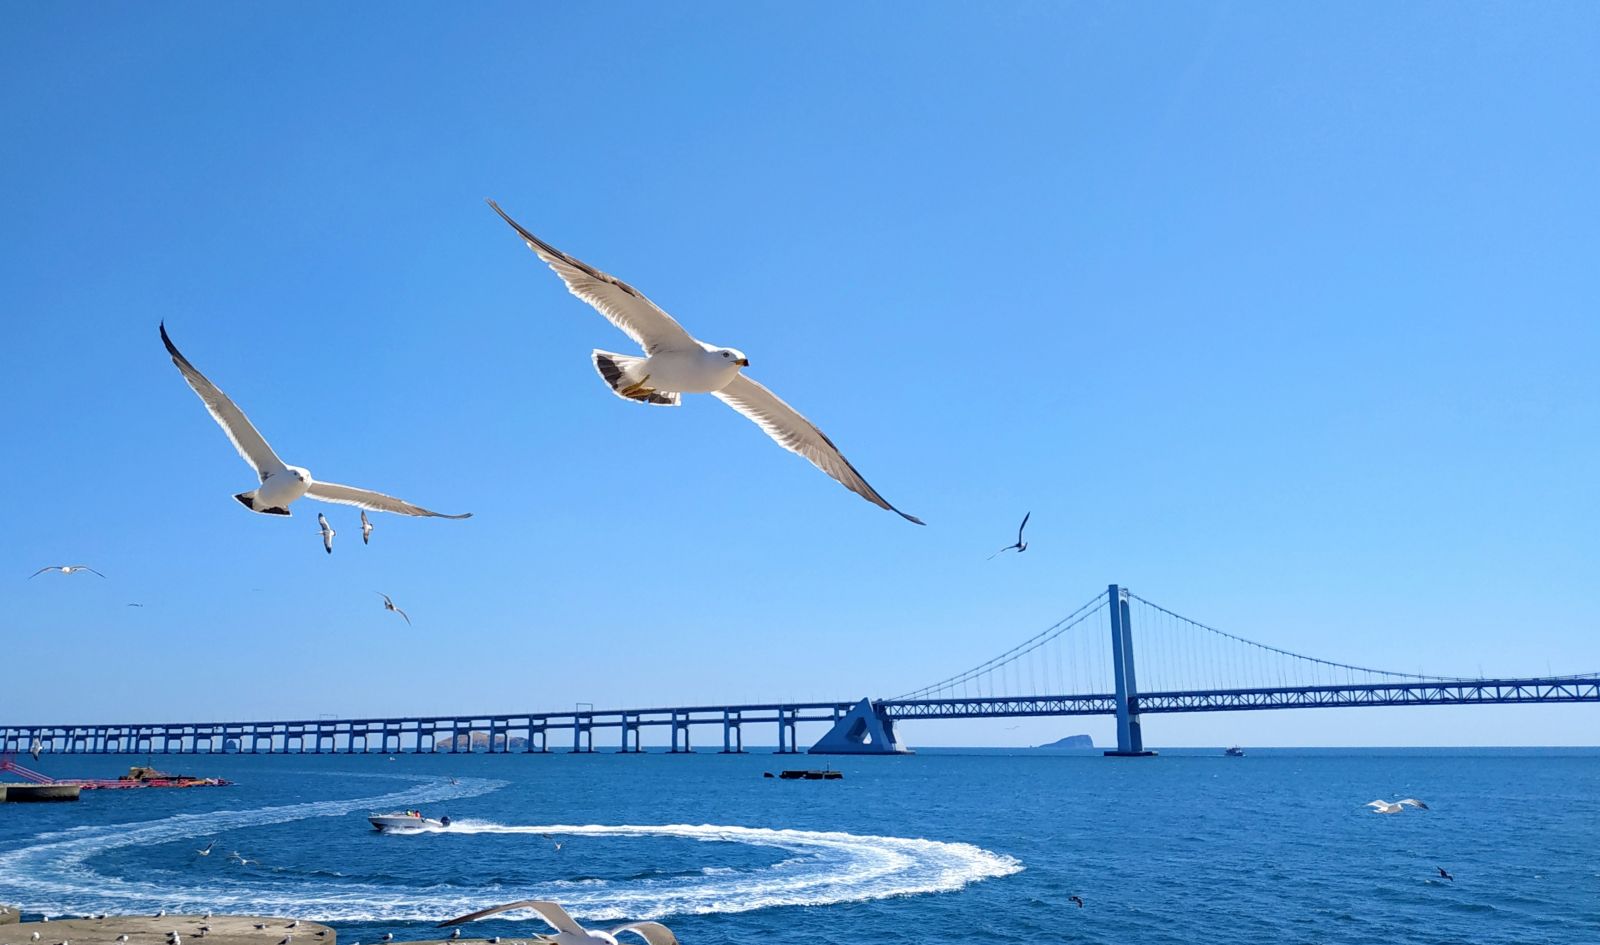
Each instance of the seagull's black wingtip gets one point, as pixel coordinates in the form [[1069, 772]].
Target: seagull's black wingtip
[[910, 518]]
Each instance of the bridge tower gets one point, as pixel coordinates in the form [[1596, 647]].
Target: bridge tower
[[1130, 737]]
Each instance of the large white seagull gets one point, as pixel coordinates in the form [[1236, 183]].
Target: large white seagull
[[281, 483], [676, 363]]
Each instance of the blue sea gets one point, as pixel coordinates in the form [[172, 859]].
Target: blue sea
[[943, 846]]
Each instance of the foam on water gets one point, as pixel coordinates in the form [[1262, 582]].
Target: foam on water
[[821, 868]]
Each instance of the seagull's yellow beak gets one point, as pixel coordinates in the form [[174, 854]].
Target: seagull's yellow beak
[[743, 362]]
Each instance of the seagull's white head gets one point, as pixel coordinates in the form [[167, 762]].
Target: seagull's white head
[[301, 473], [734, 355]]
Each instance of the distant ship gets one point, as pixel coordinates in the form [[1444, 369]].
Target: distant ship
[[1234, 752]]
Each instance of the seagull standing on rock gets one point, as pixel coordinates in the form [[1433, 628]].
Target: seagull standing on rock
[[676, 363], [568, 931], [281, 483]]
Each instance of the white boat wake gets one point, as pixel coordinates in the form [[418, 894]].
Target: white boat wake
[[54, 874]]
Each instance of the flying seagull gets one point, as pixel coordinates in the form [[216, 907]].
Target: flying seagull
[[327, 532], [281, 483], [1444, 875], [1021, 545], [389, 605], [36, 748], [64, 569], [207, 850], [366, 528], [569, 932], [1384, 807], [1076, 899], [676, 363]]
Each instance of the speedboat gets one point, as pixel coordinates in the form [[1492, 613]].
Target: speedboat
[[1234, 752], [407, 820]]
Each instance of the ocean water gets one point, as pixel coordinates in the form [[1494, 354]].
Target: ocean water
[[943, 846]]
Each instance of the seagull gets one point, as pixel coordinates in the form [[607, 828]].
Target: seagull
[[327, 532], [286, 940], [1076, 899], [366, 528], [35, 937], [388, 936], [64, 569], [34, 750], [569, 932], [135, 605], [207, 850], [1385, 807], [676, 363], [242, 862], [260, 926], [1444, 875], [389, 605], [123, 937], [281, 483], [1021, 545], [455, 934], [293, 924]]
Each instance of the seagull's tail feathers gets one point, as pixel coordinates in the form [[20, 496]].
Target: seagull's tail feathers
[[248, 500], [618, 373]]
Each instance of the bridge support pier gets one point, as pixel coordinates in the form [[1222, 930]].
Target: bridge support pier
[[1130, 736], [861, 731]]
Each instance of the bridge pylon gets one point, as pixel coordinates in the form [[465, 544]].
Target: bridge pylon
[[1130, 736]]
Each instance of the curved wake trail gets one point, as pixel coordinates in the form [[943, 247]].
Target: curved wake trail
[[821, 868]]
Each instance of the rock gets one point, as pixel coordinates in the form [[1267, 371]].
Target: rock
[[1071, 741]]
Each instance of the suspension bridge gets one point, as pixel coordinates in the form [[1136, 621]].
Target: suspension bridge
[[1074, 667]]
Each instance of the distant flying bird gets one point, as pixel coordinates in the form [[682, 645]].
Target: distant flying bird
[[1444, 875], [234, 856], [389, 605], [366, 529], [676, 363], [1385, 807], [34, 750], [569, 932], [1076, 899], [327, 532], [281, 483], [64, 569], [1020, 545], [135, 605], [207, 850]]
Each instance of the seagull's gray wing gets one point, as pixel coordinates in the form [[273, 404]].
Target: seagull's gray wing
[[41, 571], [1413, 802], [403, 614], [85, 567], [798, 435], [1022, 526], [367, 499], [626, 307], [653, 932], [548, 911], [241, 433]]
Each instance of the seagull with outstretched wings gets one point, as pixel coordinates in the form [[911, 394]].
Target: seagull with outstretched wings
[[281, 483], [676, 363]]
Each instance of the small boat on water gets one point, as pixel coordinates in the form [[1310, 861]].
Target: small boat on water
[[1234, 752], [797, 775], [407, 820]]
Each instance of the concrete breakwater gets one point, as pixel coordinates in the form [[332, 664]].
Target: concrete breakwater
[[220, 930]]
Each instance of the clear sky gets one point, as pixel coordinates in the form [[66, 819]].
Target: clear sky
[[1283, 315]]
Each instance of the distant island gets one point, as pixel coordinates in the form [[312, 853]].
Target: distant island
[[1071, 741]]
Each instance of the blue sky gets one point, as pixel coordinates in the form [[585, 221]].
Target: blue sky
[[1283, 316]]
